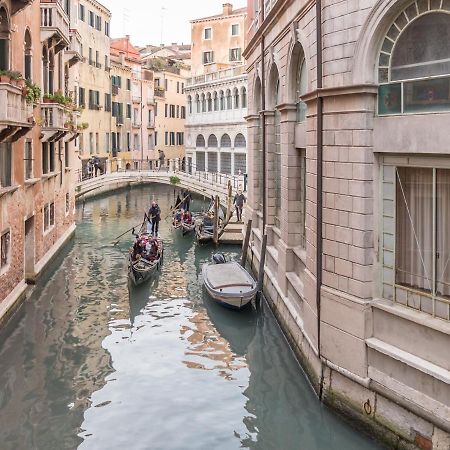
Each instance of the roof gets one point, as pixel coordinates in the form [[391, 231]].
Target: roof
[[123, 45], [235, 12]]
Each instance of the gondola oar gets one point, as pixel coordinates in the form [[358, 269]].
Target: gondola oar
[[116, 241]]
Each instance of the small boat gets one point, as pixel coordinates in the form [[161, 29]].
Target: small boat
[[177, 219], [228, 283], [142, 267], [187, 227]]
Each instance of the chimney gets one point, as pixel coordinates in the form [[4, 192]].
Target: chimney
[[227, 9]]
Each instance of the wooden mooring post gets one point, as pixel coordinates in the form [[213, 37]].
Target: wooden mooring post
[[216, 220], [246, 242], [262, 263]]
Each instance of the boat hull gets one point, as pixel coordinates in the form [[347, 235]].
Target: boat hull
[[142, 270]]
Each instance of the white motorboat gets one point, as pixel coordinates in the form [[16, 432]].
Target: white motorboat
[[229, 283]]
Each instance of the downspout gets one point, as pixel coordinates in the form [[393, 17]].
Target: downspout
[[319, 231], [263, 127]]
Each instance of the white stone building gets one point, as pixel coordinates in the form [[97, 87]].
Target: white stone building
[[215, 125], [349, 174]]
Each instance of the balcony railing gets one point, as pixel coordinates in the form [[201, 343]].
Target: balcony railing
[[53, 116], [54, 22], [15, 114], [137, 99], [216, 76], [160, 92], [151, 123], [136, 124]]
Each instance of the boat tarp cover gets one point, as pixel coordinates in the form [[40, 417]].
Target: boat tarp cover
[[227, 275]]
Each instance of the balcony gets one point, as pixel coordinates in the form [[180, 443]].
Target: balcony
[[119, 121], [160, 92], [151, 123], [55, 24], [18, 5], [137, 99], [151, 100], [73, 54], [217, 76], [16, 115], [54, 116], [136, 124]]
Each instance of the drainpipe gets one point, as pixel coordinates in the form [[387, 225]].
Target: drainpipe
[[319, 168], [263, 130]]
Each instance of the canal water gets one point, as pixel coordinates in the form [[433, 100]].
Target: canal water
[[88, 364]]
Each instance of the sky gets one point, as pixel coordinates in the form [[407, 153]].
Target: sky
[[141, 19]]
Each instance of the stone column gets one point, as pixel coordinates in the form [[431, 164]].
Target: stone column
[[269, 117]]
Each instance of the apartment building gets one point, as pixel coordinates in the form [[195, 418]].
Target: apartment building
[[94, 89], [139, 141], [350, 182], [170, 113], [217, 95], [38, 125]]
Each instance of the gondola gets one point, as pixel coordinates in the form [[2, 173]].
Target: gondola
[[177, 223], [142, 268], [187, 227], [228, 283]]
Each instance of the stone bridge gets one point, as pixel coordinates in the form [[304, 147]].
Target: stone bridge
[[202, 183]]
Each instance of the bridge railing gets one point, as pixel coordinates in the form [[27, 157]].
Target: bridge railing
[[99, 168]]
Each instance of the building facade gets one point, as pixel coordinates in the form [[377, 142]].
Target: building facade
[[170, 114], [38, 126], [217, 95], [133, 112], [350, 180], [94, 89]]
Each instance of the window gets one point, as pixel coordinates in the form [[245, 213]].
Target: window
[[239, 141], [108, 102], [212, 141], [48, 157], [4, 39], [27, 56], [91, 61], [229, 100], [107, 142], [5, 164], [5, 249], [409, 59], [240, 163], [91, 19], [98, 23], [225, 163], [178, 87], [128, 140], [97, 63], [128, 84], [235, 29], [172, 138], [28, 156], [207, 33], [128, 111], [156, 138], [81, 13], [165, 109], [81, 97], [91, 143], [225, 141], [235, 54], [107, 28], [208, 57], [66, 155], [166, 138], [222, 100], [200, 141], [166, 84], [189, 102], [48, 213], [106, 62], [183, 112], [236, 98]]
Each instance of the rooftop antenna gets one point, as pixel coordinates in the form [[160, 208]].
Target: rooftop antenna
[[163, 8], [126, 20]]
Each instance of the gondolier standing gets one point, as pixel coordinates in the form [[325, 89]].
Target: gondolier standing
[[154, 217]]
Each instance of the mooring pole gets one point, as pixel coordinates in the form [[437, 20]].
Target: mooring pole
[[246, 242], [229, 202], [262, 262], [216, 220]]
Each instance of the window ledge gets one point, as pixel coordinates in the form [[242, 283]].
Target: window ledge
[[31, 181], [8, 190], [47, 176]]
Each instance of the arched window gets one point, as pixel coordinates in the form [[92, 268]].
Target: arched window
[[212, 141], [244, 98], [225, 141], [216, 102], [45, 69], [4, 39], [222, 100], [416, 48], [236, 98], [239, 141], [200, 142], [203, 103], [197, 103], [27, 55], [257, 96], [229, 100], [189, 102], [299, 81], [209, 101], [51, 72]]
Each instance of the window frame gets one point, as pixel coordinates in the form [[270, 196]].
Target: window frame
[[204, 33], [5, 259]]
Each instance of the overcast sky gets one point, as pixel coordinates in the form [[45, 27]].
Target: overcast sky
[[141, 19]]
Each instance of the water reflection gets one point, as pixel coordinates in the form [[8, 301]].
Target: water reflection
[[91, 362]]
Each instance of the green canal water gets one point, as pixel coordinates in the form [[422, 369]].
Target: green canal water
[[88, 364]]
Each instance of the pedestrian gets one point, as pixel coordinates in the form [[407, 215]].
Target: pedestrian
[[97, 167], [239, 200], [154, 217], [187, 200], [90, 168]]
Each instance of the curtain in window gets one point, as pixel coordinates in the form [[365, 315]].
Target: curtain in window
[[443, 232], [414, 223]]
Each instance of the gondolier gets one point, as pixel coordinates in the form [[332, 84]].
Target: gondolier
[[154, 217]]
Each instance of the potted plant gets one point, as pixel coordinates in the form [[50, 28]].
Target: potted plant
[[47, 98], [4, 76], [32, 92]]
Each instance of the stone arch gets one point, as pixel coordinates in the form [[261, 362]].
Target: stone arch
[[273, 92], [215, 101], [212, 141], [257, 96], [229, 100], [209, 102], [236, 101], [5, 32], [243, 97], [28, 54], [225, 141], [200, 141], [197, 103]]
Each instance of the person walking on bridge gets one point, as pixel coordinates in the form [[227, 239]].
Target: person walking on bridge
[[239, 200]]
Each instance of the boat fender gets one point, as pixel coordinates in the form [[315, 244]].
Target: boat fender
[[219, 258]]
